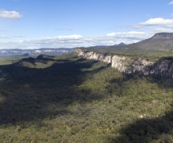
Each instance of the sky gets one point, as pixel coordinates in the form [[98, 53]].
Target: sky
[[34, 24]]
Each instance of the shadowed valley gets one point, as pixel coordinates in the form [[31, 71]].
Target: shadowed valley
[[71, 99]]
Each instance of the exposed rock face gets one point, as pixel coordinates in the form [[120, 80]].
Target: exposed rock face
[[163, 68], [120, 63], [128, 65], [139, 66], [164, 36], [94, 56]]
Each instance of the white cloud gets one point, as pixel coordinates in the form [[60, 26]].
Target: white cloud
[[54, 42], [10, 14], [156, 25], [158, 21], [171, 3], [139, 32], [111, 34], [72, 41], [162, 29], [133, 35], [70, 37]]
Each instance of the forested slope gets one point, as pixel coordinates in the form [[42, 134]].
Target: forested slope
[[70, 99]]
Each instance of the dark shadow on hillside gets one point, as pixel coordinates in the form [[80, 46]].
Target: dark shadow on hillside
[[41, 58], [28, 94], [146, 130], [163, 73]]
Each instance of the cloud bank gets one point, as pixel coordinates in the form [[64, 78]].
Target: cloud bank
[[10, 14], [157, 22], [72, 41], [128, 35]]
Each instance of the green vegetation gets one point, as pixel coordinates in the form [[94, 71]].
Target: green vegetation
[[152, 56], [7, 60], [68, 99]]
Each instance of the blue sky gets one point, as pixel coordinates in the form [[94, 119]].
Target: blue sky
[[32, 24]]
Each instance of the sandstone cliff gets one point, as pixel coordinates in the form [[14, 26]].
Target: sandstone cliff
[[125, 64]]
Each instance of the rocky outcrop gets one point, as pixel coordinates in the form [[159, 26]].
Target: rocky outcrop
[[93, 55], [163, 36], [163, 67]]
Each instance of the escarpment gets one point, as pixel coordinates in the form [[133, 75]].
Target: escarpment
[[93, 55], [125, 64]]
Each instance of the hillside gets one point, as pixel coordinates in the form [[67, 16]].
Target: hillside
[[73, 100], [159, 43]]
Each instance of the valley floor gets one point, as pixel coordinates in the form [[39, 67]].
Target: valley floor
[[68, 99]]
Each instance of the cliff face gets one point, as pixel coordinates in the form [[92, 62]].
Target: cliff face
[[128, 65], [164, 36], [93, 55], [163, 67]]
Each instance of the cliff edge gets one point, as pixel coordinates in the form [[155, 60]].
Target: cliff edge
[[125, 64]]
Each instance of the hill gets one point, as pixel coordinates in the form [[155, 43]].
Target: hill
[[159, 43]]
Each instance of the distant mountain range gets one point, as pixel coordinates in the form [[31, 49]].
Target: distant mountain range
[[102, 46], [27, 52], [160, 42]]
